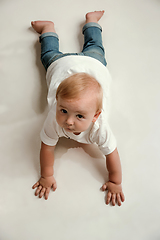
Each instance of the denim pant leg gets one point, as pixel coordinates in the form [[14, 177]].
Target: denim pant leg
[[49, 48], [93, 46]]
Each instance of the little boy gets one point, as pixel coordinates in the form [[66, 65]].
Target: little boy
[[78, 86]]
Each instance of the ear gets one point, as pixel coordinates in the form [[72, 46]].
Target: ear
[[96, 116]]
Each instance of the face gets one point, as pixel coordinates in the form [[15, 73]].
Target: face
[[76, 115]]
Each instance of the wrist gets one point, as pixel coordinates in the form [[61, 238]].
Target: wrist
[[115, 178], [45, 177], [47, 171], [117, 183]]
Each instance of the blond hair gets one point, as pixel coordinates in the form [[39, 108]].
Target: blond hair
[[77, 84]]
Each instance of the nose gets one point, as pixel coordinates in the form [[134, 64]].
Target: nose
[[69, 121]]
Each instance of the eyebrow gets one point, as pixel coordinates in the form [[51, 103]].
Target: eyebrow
[[62, 106]]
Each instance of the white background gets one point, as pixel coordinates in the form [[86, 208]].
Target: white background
[[77, 210]]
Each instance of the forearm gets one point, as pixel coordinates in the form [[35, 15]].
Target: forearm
[[114, 167], [46, 160]]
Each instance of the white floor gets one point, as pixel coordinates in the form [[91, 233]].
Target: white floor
[[77, 210]]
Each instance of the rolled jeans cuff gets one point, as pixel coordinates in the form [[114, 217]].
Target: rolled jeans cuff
[[91, 24], [48, 34]]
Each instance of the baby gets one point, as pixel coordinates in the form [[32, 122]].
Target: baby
[[78, 85]]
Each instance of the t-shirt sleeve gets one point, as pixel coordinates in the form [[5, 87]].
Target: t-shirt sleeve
[[108, 143], [104, 138], [49, 134]]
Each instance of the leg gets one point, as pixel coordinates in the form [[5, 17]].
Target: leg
[[49, 41], [93, 46]]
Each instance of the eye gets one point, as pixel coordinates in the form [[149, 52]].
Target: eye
[[63, 111], [80, 116]]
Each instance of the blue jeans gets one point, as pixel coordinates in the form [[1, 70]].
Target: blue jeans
[[92, 47]]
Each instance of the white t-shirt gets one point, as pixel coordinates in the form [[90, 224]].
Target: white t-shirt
[[98, 132]]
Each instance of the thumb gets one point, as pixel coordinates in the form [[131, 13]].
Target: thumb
[[105, 186]]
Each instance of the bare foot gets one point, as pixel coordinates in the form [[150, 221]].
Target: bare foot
[[94, 16], [43, 26]]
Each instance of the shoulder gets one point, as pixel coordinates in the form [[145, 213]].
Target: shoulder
[[99, 129], [102, 135]]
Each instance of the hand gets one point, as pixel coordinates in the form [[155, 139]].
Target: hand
[[114, 193], [44, 185]]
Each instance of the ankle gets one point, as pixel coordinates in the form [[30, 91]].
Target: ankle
[[94, 16], [90, 18], [43, 26], [49, 27]]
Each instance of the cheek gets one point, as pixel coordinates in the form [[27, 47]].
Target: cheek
[[84, 124]]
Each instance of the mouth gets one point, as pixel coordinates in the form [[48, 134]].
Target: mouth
[[69, 129]]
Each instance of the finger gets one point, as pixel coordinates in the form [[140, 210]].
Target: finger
[[47, 193], [122, 197], [113, 199], [42, 192], [108, 197], [118, 199], [38, 190], [54, 186], [104, 187], [35, 185]]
